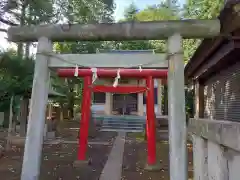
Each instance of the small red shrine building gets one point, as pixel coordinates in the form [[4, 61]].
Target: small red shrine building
[[127, 104]]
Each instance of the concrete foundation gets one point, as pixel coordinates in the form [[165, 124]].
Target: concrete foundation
[[51, 135], [155, 167], [17, 140], [79, 164]]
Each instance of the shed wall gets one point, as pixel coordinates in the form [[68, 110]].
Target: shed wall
[[222, 95]]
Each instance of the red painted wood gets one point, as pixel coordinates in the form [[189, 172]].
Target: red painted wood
[[155, 73], [119, 89], [85, 117], [150, 125]]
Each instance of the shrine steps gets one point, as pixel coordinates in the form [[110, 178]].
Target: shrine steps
[[123, 125]]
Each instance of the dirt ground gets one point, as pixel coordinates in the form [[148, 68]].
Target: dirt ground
[[135, 156], [57, 159]]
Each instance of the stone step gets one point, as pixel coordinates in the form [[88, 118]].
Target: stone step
[[123, 123], [123, 119], [122, 127], [121, 130], [120, 120]]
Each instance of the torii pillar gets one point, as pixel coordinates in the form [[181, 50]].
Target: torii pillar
[[176, 110], [38, 105], [84, 122], [152, 163]]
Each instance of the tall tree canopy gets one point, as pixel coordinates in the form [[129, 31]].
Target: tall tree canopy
[[83, 11], [199, 9], [161, 11], [24, 12]]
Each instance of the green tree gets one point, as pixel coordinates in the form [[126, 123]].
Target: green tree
[[162, 11], [16, 76], [131, 12], [199, 9], [92, 11]]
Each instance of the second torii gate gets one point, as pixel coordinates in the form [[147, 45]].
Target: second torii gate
[[173, 31], [147, 74]]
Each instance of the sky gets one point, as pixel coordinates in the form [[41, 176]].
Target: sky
[[121, 5]]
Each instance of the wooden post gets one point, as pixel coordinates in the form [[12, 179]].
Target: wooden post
[[152, 163], [140, 100], [108, 103], [199, 100], [176, 110], [35, 130], [165, 92], [85, 118], [159, 96], [50, 109]]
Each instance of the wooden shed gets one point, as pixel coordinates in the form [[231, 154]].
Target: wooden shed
[[214, 70]]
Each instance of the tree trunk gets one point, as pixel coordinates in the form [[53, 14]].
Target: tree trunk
[[23, 116], [71, 107], [71, 99], [61, 112], [8, 145]]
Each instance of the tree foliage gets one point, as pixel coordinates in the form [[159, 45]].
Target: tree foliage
[[82, 11], [199, 9], [16, 76], [157, 12], [16, 71]]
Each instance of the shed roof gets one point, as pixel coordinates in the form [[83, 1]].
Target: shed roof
[[229, 23]]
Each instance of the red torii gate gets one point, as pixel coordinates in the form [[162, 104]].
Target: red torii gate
[[88, 88]]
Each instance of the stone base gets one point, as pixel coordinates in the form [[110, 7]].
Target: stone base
[[51, 135], [79, 164], [17, 140], [154, 167]]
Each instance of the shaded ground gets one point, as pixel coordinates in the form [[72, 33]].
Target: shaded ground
[[135, 156], [58, 158]]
